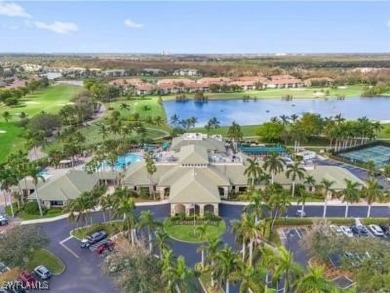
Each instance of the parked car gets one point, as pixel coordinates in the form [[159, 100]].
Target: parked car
[[43, 272], [93, 238], [335, 229], [385, 229], [3, 220], [105, 247], [359, 231], [376, 230], [28, 279], [346, 231], [300, 213]]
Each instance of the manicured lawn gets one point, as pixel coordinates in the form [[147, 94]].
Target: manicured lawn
[[148, 106], [309, 93], [188, 233], [11, 140], [385, 132], [49, 100], [25, 216], [111, 229], [47, 259]]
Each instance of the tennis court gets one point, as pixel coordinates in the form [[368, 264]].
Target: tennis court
[[379, 154]]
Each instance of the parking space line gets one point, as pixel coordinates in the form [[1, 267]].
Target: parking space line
[[67, 248]]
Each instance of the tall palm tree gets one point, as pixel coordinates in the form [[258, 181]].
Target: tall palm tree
[[295, 171], [253, 171], [147, 221], [372, 192], [302, 199], [326, 185], [105, 202], [78, 208], [150, 169], [124, 206], [386, 173], [33, 170], [202, 233], [235, 134], [161, 240], [351, 194], [7, 179], [178, 277], [274, 165], [124, 106], [250, 278], [285, 267], [314, 282], [370, 165], [256, 205], [212, 248], [227, 263], [310, 181], [278, 202]]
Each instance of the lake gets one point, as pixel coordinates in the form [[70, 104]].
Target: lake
[[261, 110]]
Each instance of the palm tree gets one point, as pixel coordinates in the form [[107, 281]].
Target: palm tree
[[285, 267], [250, 278], [202, 233], [372, 192], [310, 181], [351, 194], [33, 170], [370, 166], [177, 276], [386, 173], [235, 134], [227, 263], [174, 119], [147, 221], [105, 203], [278, 202], [212, 248], [6, 116], [274, 165], [77, 208], [161, 240], [304, 194], [256, 205], [295, 171], [253, 171], [103, 130], [124, 206], [314, 282], [7, 179], [151, 169], [326, 185]]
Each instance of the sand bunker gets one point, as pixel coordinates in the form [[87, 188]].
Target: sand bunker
[[31, 103], [2, 131]]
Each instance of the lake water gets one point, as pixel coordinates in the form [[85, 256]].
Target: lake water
[[256, 112]]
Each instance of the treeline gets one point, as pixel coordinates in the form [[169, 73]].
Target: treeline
[[11, 97], [377, 90]]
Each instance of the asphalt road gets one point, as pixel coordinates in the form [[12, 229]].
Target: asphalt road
[[83, 274]]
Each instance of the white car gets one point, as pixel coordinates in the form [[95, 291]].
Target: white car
[[42, 272], [376, 230], [336, 229], [346, 231]]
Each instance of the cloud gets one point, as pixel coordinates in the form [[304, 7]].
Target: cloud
[[13, 10], [133, 24], [58, 27]]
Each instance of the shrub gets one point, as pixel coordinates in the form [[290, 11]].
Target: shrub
[[53, 211], [32, 208]]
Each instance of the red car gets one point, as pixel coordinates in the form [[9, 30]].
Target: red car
[[27, 279], [106, 246]]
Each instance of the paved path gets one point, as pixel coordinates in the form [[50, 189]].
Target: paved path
[[83, 273]]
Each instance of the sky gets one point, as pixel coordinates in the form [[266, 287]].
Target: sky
[[195, 27]]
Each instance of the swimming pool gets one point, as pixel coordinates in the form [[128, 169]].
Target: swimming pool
[[379, 154], [122, 162]]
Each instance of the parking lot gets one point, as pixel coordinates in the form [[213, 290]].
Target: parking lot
[[291, 238]]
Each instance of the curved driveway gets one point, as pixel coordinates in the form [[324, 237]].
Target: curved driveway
[[83, 274]]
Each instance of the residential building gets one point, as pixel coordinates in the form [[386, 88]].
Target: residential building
[[187, 72]]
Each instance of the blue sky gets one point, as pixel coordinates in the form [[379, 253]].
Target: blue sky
[[195, 27]]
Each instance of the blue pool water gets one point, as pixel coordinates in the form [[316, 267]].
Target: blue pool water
[[123, 161], [261, 110]]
